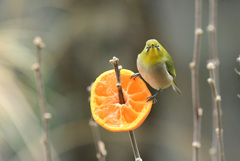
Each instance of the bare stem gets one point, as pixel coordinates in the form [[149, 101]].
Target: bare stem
[[100, 146], [213, 67], [194, 66], [134, 146], [237, 71], [45, 115], [213, 56], [117, 68], [218, 113], [238, 60]]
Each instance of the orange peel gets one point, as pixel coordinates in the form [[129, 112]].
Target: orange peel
[[106, 109]]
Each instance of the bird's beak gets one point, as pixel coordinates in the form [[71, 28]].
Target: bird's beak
[[153, 45]]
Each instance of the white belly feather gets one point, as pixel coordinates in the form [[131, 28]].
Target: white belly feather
[[156, 76]]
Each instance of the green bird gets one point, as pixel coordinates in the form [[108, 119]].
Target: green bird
[[155, 66]]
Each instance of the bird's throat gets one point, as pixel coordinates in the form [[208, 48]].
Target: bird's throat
[[152, 57]]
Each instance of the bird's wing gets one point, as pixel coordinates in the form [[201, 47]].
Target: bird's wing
[[170, 67]]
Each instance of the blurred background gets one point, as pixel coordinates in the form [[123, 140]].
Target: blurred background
[[81, 37]]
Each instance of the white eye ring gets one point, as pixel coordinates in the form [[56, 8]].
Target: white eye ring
[[158, 47], [147, 48]]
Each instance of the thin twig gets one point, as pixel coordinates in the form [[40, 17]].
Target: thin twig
[[213, 67], [212, 36], [217, 106], [238, 72], [134, 146], [46, 116], [117, 68], [194, 66], [99, 144], [238, 60], [213, 56]]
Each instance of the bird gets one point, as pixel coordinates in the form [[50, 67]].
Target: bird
[[156, 67]]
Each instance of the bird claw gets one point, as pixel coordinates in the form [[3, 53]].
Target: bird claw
[[135, 75], [152, 98]]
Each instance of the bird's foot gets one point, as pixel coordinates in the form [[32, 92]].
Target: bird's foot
[[135, 75], [152, 98]]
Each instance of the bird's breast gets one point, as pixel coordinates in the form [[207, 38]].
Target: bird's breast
[[156, 75]]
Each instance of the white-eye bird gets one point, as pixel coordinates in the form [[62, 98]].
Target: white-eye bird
[[155, 66]]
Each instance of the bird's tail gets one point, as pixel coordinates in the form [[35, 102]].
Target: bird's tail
[[175, 88]]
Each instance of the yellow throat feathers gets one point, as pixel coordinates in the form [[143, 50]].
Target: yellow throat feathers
[[152, 57]]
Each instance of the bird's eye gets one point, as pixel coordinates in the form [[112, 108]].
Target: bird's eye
[[158, 47], [147, 48]]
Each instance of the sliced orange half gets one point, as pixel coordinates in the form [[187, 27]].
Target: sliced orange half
[[105, 106]]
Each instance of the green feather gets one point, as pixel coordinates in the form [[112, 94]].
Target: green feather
[[169, 64], [171, 70]]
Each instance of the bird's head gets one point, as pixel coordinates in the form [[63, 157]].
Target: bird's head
[[152, 53], [152, 45]]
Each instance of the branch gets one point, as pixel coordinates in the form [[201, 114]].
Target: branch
[[237, 71], [45, 115], [99, 144], [194, 66], [117, 68], [238, 60], [217, 108], [217, 142], [134, 146], [213, 57]]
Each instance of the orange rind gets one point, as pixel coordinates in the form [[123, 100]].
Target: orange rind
[[106, 109]]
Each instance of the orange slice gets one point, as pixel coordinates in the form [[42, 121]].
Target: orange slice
[[105, 106]]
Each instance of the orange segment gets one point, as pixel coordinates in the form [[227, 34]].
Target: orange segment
[[137, 106], [134, 87], [105, 106]]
